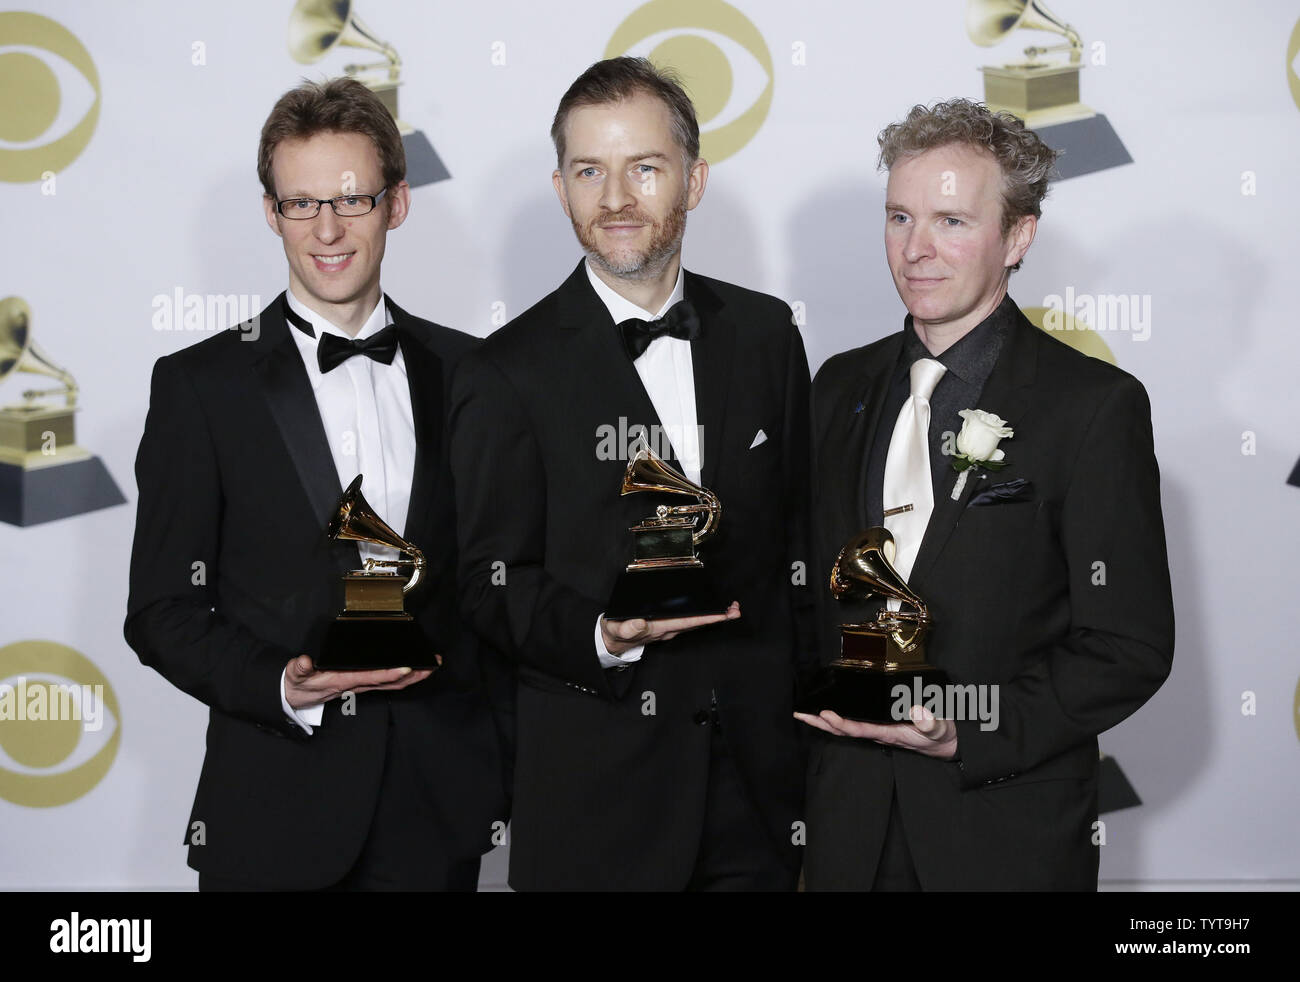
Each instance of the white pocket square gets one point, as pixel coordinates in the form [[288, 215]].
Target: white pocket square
[[759, 438]]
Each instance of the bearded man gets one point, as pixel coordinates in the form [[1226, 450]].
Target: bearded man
[[654, 753]]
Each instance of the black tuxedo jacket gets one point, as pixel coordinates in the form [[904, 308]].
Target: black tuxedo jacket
[[1059, 595], [232, 575], [613, 764]]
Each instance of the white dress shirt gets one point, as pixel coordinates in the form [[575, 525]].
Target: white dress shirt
[[668, 376], [365, 407]]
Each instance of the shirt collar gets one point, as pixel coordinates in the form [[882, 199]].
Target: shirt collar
[[378, 319], [971, 358], [620, 308]]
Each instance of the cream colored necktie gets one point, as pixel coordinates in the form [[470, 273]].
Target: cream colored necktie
[[907, 469]]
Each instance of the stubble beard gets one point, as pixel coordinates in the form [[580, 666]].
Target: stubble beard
[[665, 243]]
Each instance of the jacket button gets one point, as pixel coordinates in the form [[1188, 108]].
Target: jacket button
[[702, 717]]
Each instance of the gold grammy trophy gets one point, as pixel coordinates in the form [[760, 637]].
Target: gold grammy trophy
[[44, 474], [1044, 92], [374, 630], [318, 26], [666, 577], [877, 655]]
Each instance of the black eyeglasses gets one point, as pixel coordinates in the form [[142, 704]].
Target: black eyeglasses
[[345, 205]]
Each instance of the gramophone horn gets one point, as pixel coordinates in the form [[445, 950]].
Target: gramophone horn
[[864, 568], [355, 520], [316, 26], [649, 472], [989, 21], [19, 353]]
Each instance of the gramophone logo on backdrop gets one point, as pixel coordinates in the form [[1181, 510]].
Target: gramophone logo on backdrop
[[318, 26], [720, 56], [1045, 92], [44, 474], [60, 724], [54, 116]]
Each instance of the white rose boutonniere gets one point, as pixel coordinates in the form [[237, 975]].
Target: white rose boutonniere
[[977, 445]]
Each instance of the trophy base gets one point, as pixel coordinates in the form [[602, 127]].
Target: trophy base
[[366, 642], [867, 694], [1090, 145], [30, 496], [1114, 791], [423, 165], [1040, 94], [659, 593]]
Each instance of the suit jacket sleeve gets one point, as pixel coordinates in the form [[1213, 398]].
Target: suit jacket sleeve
[[506, 593], [1118, 647], [174, 621]]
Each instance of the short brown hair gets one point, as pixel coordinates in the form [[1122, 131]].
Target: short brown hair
[[616, 79], [1026, 161], [341, 105]]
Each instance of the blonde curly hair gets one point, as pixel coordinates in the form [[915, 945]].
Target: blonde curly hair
[[1027, 163]]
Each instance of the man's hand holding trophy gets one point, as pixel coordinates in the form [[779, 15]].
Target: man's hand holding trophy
[[858, 694], [373, 643]]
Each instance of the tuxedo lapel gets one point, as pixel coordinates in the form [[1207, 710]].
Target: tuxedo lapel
[[424, 376], [712, 355], [293, 406], [866, 410], [1007, 394], [600, 355]]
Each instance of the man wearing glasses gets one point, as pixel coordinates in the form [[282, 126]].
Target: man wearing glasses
[[353, 780]]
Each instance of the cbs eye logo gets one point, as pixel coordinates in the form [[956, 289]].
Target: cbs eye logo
[[60, 724], [722, 60], [1295, 707], [57, 106], [1293, 64]]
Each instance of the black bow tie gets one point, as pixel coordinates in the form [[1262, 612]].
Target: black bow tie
[[680, 321], [334, 350]]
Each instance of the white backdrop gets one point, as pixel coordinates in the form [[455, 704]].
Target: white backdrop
[[165, 197]]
